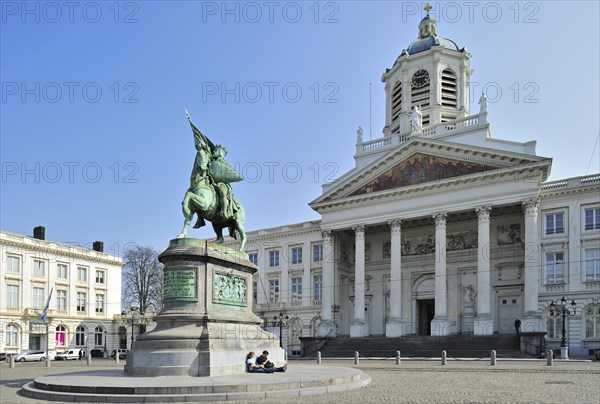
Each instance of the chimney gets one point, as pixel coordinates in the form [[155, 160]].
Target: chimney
[[39, 233], [98, 246]]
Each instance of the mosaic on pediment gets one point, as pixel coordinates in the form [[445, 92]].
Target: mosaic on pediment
[[418, 169]]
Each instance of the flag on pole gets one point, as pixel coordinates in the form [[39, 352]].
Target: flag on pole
[[47, 305]]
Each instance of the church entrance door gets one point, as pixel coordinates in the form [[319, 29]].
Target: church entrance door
[[426, 311]]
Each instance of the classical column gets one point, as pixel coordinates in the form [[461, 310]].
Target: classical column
[[440, 324], [484, 324], [327, 326], [393, 326], [359, 327], [532, 320]]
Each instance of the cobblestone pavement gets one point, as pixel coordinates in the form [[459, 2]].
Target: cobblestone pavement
[[409, 382]]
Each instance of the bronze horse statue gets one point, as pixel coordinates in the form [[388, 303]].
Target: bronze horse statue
[[203, 200]]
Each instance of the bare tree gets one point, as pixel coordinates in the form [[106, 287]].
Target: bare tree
[[142, 279]]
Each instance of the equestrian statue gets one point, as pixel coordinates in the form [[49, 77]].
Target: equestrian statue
[[210, 195]]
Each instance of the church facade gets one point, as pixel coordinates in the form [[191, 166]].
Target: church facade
[[439, 229]]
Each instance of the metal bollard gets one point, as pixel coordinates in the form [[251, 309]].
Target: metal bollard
[[443, 357], [356, 360], [89, 359], [493, 358], [397, 357], [550, 358], [117, 358], [48, 361], [318, 357], [11, 364]]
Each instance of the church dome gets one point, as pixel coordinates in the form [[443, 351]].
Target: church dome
[[426, 43]]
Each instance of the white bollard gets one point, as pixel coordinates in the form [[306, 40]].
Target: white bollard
[[11, 364], [318, 357], [89, 358], [550, 358], [117, 358], [493, 358], [443, 357], [48, 361], [397, 357], [356, 360]]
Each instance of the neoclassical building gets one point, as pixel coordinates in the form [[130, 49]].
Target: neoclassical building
[[85, 306], [439, 229]]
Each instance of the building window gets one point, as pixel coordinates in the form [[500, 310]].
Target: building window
[[61, 300], [80, 336], [296, 255], [592, 264], [99, 303], [253, 258], [274, 258], [62, 271], [553, 327], [297, 288], [318, 287], [317, 252], [61, 335], [555, 267], [449, 89], [592, 219], [592, 321], [37, 298], [13, 264], [81, 301], [12, 296], [100, 276], [82, 274], [255, 291], [396, 101], [555, 223], [99, 336], [39, 268], [274, 290], [12, 335]]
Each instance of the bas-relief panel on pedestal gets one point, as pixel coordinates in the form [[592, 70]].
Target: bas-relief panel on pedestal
[[420, 168], [230, 289]]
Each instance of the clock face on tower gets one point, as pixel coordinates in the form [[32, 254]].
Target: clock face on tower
[[420, 78]]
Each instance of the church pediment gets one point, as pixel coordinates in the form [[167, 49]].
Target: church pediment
[[422, 164], [420, 168]]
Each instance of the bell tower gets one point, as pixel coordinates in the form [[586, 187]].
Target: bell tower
[[432, 73]]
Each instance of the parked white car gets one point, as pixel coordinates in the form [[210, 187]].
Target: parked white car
[[31, 356], [68, 354]]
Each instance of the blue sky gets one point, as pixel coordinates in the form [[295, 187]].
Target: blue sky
[[94, 140]]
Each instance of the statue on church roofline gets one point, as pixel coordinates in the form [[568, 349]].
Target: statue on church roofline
[[210, 195], [416, 120], [482, 103]]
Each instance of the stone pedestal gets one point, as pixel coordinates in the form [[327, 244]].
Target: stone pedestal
[[393, 328], [359, 329], [440, 326], [207, 326], [483, 325], [467, 320]]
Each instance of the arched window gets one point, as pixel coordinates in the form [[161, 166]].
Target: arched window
[[592, 321], [396, 101], [12, 335], [60, 335], [314, 326], [80, 336], [122, 337], [449, 89], [553, 326], [99, 336], [296, 330]]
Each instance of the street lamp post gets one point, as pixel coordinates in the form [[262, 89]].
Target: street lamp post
[[279, 322], [561, 310]]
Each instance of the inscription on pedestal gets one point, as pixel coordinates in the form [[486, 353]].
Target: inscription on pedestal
[[180, 284], [230, 289]]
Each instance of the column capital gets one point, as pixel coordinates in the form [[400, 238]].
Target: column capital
[[440, 218], [327, 235], [359, 230], [395, 225], [530, 206], [483, 213]]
